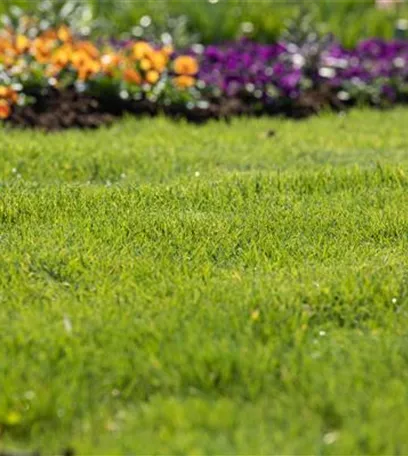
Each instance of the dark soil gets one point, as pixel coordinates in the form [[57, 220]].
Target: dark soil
[[56, 110]]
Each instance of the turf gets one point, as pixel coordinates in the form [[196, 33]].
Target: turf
[[176, 289]]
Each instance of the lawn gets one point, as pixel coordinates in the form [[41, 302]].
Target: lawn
[[175, 289]]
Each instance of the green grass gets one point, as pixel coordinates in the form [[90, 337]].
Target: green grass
[[176, 289]]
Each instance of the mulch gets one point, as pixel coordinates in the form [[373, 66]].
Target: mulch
[[59, 110], [55, 110]]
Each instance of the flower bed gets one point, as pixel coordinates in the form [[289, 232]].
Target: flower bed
[[54, 79]]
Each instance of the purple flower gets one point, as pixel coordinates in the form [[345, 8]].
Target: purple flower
[[249, 69], [373, 47]]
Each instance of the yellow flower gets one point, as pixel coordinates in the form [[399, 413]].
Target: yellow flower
[[141, 49], [22, 43], [152, 77], [5, 109], [186, 65], [64, 33], [184, 82], [79, 58], [145, 64], [7, 60], [62, 56], [159, 60]]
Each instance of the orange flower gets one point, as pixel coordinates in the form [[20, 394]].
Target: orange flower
[[64, 33], [159, 60], [132, 76], [5, 109], [88, 69], [49, 34], [89, 48], [186, 65], [152, 77], [62, 56], [7, 52], [5, 45], [84, 64], [79, 58], [141, 49], [6, 93], [184, 82], [42, 49]]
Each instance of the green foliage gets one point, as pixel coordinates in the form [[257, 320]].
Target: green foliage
[[176, 289], [49, 13], [213, 21]]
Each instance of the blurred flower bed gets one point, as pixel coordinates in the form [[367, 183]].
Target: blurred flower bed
[[55, 78]]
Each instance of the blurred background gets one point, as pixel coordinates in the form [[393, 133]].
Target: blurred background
[[214, 21]]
